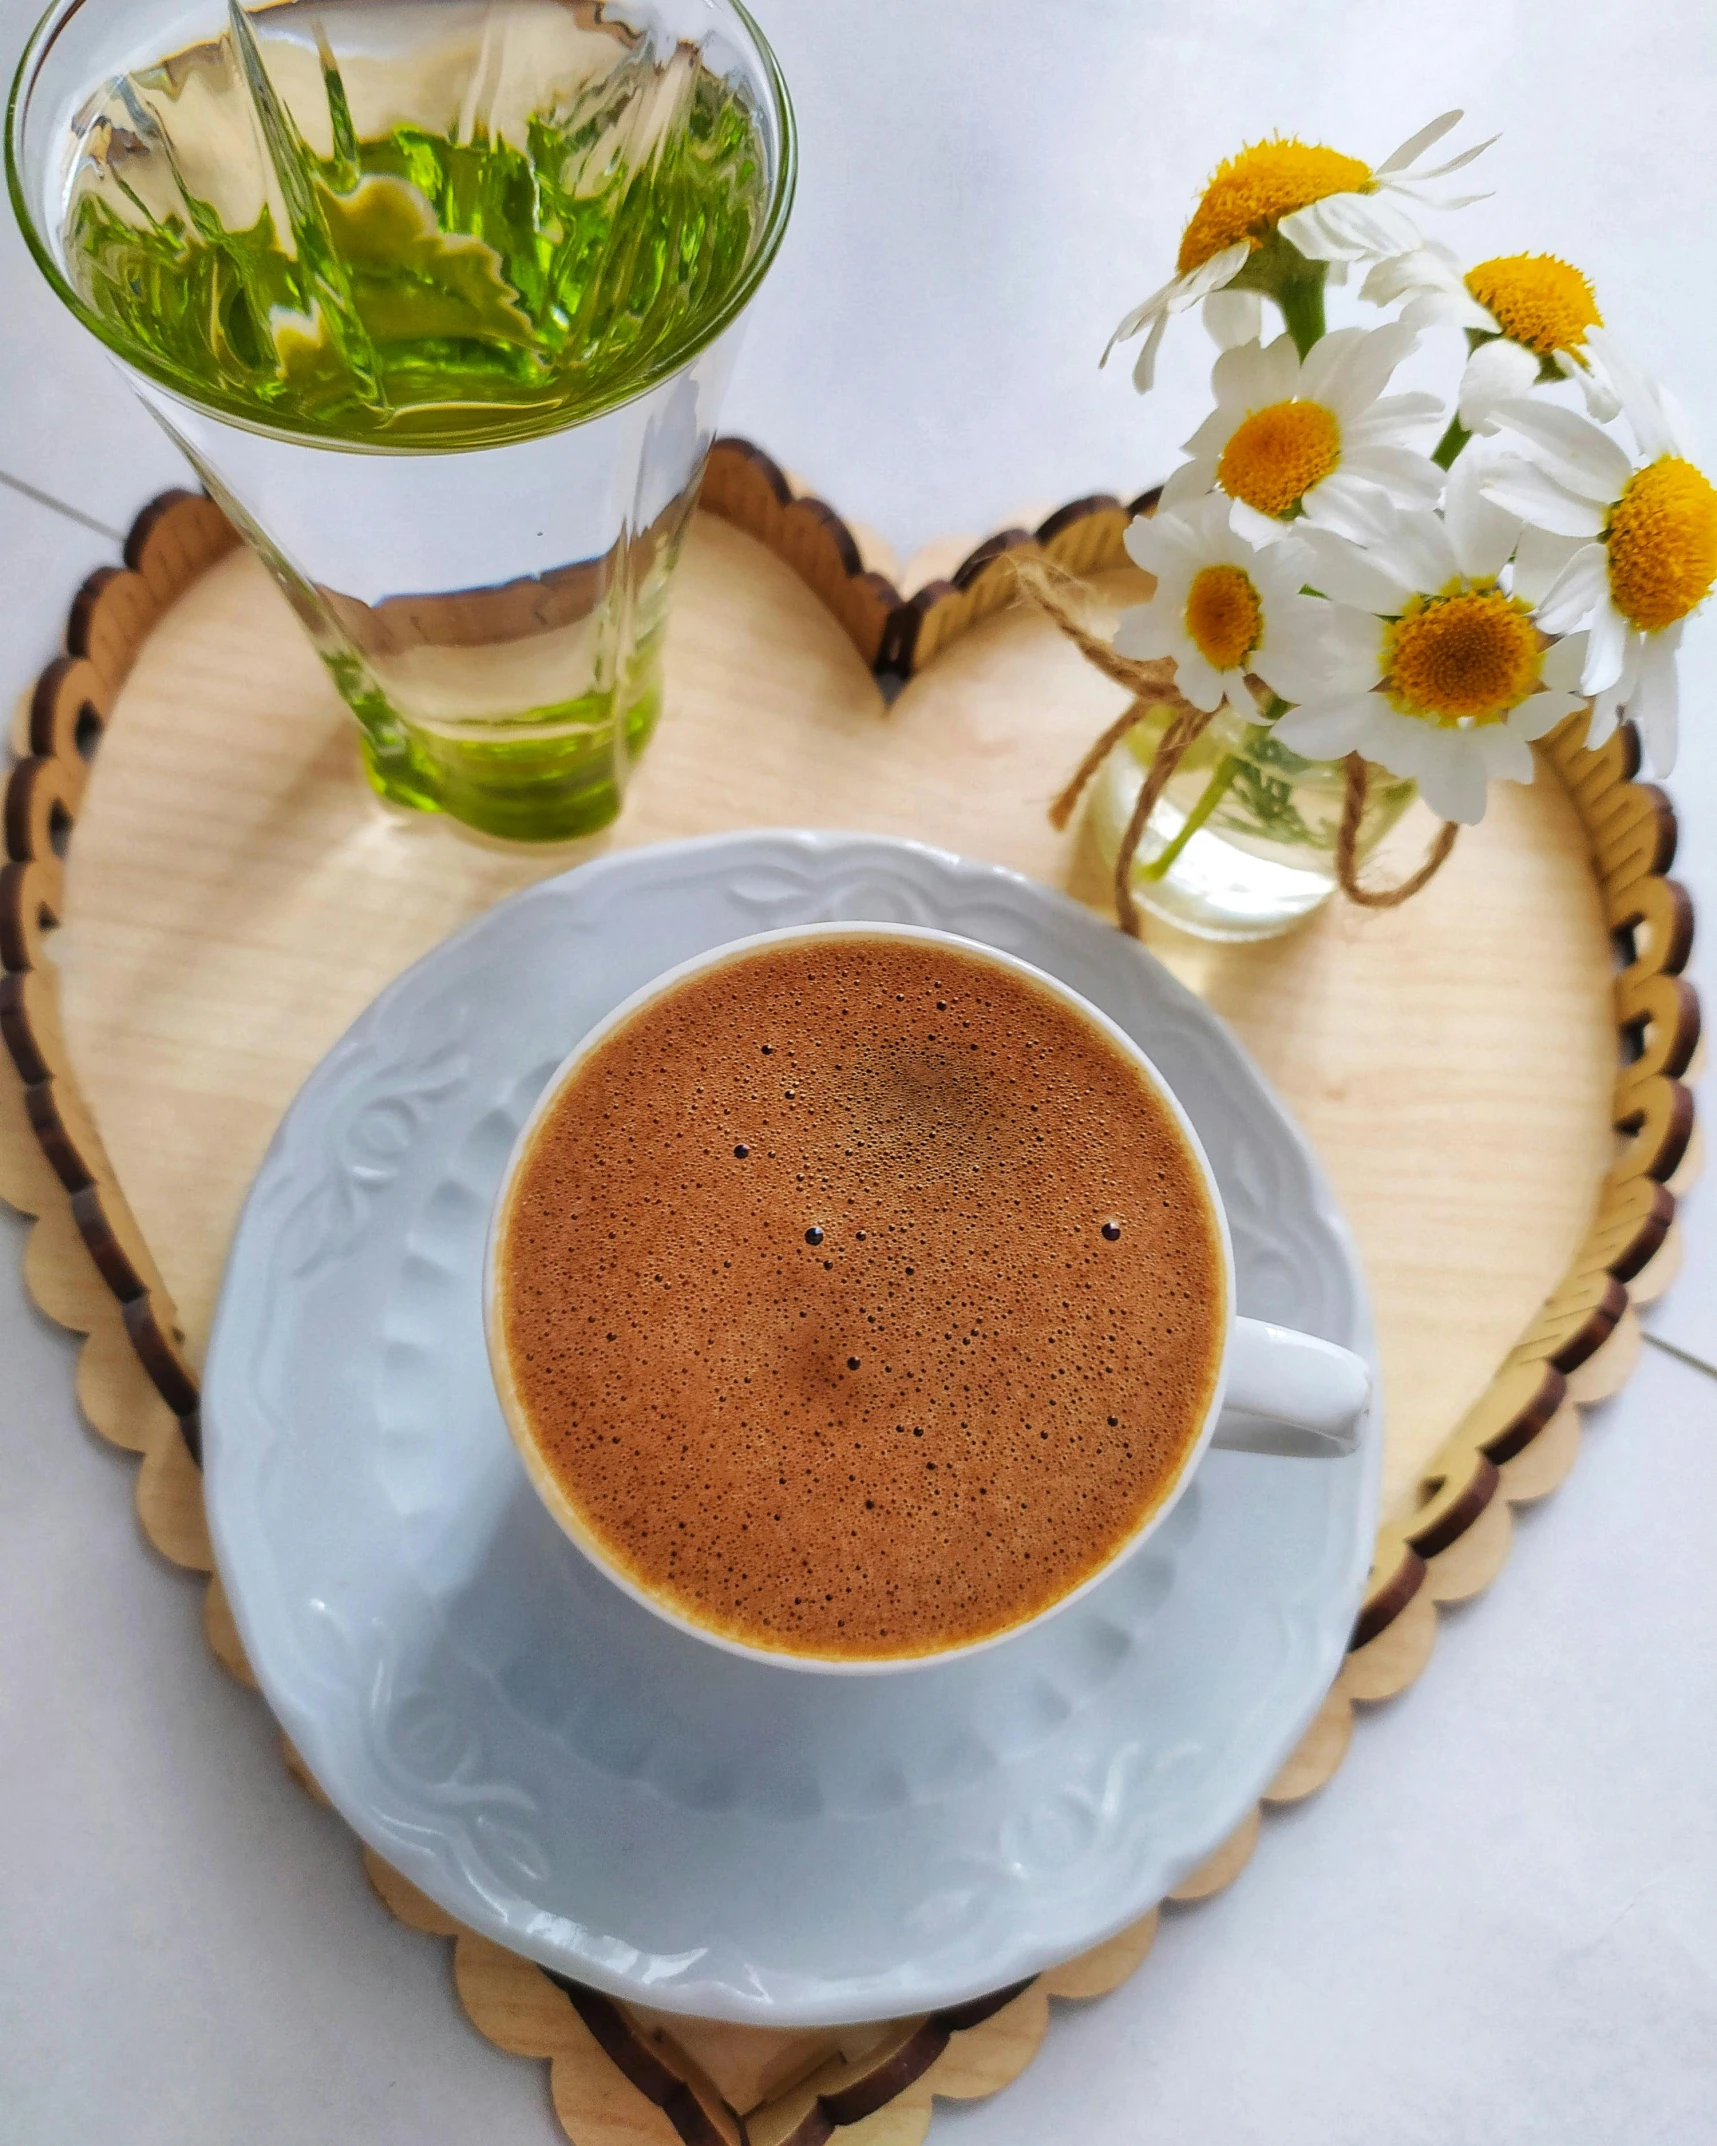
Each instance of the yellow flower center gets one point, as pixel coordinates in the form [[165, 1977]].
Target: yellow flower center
[[1466, 655], [1224, 617], [1663, 544], [1536, 300], [1275, 455], [1249, 194]]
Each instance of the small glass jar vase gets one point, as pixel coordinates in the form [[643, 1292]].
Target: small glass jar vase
[[1242, 843]]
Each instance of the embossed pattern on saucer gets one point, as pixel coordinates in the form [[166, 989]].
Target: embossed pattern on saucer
[[561, 1770]]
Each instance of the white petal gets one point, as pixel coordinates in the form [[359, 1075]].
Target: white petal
[[1536, 717], [1292, 658], [1416, 274], [1350, 227], [1305, 232], [1437, 264], [1435, 309], [1168, 538], [1295, 676], [1482, 534], [1233, 317], [1281, 571], [1412, 478], [1538, 558], [1656, 704], [1398, 742], [1247, 376], [1506, 755], [1564, 660], [1146, 632], [1191, 481], [1455, 163], [1255, 527], [1349, 575], [1142, 541], [1208, 537], [1528, 492], [1352, 649], [1276, 374], [1602, 401], [1498, 371], [1322, 367], [1413, 181], [1238, 693], [1198, 681], [1570, 447], [1677, 428], [1350, 369], [1325, 730], [1416, 144], [1145, 367], [1387, 422], [1351, 507], [1651, 419], [1234, 383], [1213, 435], [1420, 547], [1606, 649], [1464, 311], [1169, 598], [1215, 274], [1391, 740], [1182, 291], [1452, 777], [1411, 187], [1580, 589], [1606, 713], [1171, 569], [1130, 323]]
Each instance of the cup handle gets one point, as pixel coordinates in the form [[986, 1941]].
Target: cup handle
[[1292, 1395]]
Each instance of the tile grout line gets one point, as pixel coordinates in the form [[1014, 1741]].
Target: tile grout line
[[1682, 1356], [58, 506]]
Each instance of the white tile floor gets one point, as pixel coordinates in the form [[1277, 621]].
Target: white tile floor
[[1497, 1923]]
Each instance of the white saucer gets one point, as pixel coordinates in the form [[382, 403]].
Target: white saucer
[[560, 1769]]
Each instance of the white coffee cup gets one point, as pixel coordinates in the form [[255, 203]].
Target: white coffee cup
[[1277, 1392]]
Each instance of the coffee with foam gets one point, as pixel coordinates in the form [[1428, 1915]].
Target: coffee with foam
[[859, 1298]]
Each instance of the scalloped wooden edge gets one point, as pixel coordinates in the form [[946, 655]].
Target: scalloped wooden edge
[[624, 2077]]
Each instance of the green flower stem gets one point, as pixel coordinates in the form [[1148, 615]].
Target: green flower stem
[[1215, 790], [1301, 299], [1450, 445]]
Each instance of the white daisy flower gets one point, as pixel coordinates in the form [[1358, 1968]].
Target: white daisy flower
[[1624, 545], [1315, 437], [1328, 207], [1234, 317], [1533, 312], [1222, 609], [1430, 667]]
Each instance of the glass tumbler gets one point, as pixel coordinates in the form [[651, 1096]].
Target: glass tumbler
[[441, 300]]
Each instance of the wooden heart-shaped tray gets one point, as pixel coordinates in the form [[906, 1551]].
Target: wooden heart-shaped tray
[[1492, 1073]]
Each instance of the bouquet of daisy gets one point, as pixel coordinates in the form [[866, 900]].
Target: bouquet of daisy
[[1376, 578]]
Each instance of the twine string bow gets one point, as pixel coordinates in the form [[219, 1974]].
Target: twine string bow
[[1060, 596]]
